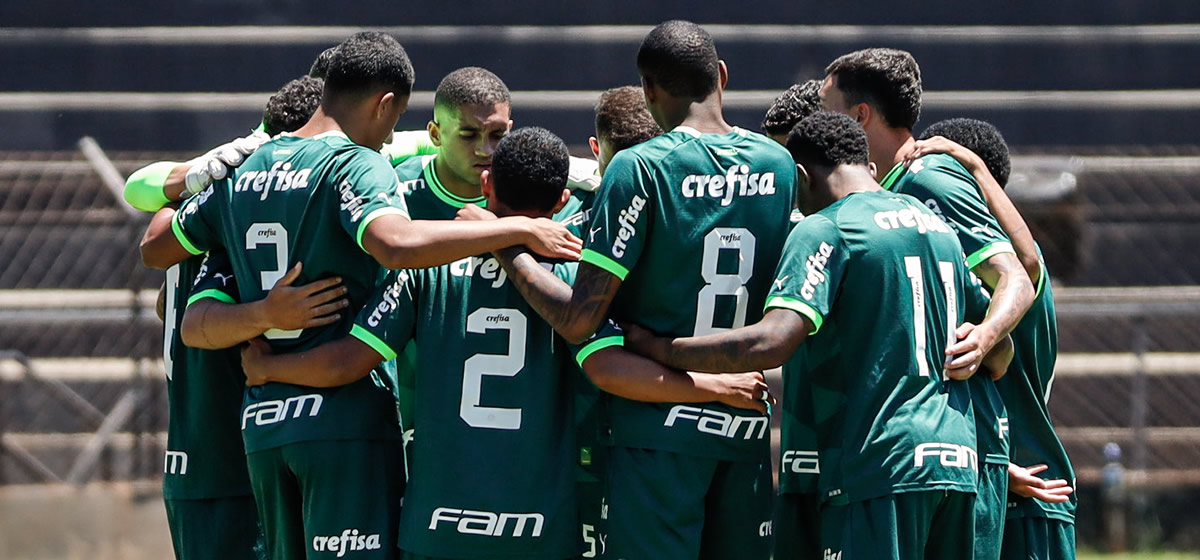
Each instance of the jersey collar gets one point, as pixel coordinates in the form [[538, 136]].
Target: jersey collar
[[696, 133], [435, 185], [892, 176]]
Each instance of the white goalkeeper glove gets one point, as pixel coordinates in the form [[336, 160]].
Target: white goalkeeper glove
[[583, 175], [220, 161]]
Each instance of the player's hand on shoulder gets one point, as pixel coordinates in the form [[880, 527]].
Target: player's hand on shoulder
[[219, 162], [746, 390], [942, 145], [316, 304], [552, 239], [1025, 482], [254, 361], [473, 212]]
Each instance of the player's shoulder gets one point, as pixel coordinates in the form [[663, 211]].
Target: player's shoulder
[[941, 171]]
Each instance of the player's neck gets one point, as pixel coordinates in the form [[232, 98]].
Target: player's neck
[[889, 146], [703, 116], [321, 122], [451, 182], [848, 179]]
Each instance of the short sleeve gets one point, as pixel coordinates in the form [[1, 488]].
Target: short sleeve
[[367, 190], [197, 223], [621, 213], [810, 270], [215, 280], [386, 322], [608, 335], [952, 193]]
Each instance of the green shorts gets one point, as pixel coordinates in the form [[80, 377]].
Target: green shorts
[[325, 499], [664, 505], [929, 525], [225, 528], [1038, 538], [991, 503], [797, 530]]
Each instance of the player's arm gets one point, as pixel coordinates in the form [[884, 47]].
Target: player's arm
[[574, 312], [159, 247], [1012, 294], [332, 364], [764, 345], [397, 242], [213, 323], [155, 185], [998, 202]]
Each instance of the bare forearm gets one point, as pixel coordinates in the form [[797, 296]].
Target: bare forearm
[[212, 325], [747, 349], [1011, 222], [636, 378], [424, 244], [333, 364], [1012, 293], [574, 312], [998, 359]]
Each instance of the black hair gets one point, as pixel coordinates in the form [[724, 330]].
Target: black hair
[[292, 105], [622, 119], [979, 137], [887, 79], [471, 86], [320, 66], [529, 169], [828, 139], [367, 62], [679, 56], [792, 106]]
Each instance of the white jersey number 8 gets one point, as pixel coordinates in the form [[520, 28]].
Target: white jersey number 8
[[717, 284]]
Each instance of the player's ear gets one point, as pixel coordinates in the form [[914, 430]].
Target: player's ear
[[435, 133], [562, 200], [485, 184], [594, 144], [862, 113], [384, 106], [648, 90], [802, 176], [723, 72], [874, 169]]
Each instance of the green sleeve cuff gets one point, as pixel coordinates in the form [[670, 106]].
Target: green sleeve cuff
[[602, 261], [1041, 280], [596, 346], [144, 188], [377, 344], [375, 214], [988, 251], [780, 302], [212, 293], [183, 238]]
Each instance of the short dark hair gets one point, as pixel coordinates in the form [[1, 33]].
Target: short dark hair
[[320, 66], [679, 56], [622, 118], [529, 169], [792, 106], [369, 61], [292, 105], [471, 86], [979, 137], [828, 139], [887, 79]]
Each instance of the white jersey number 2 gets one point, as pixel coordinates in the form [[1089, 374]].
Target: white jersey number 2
[[478, 366]]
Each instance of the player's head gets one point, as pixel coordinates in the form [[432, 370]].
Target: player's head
[[678, 64], [369, 82], [979, 137], [320, 66], [622, 121], [791, 107], [472, 111], [528, 175], [292, 105], [821, 144], [876, 87]]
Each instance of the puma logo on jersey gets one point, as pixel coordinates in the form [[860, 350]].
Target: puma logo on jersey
[[592, 234], [391, 299], [910, 218], [223, 278], [281, 177], [176, 462], [779, 282], [719, 423], [815, 265], [273, 412], [800, 462], [488, 524], [625, 220], [948, 455], [736, 180], [349, 541]]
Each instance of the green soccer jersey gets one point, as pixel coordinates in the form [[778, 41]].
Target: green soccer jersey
[[1026, 391], [951, 192], [492, 473], [693, 224], [887, 420], [204, 458], [305, 200]]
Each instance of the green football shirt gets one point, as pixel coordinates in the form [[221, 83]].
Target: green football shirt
[[951, 192], [1026, 391], [303, 200], [887, 420], [693, 224], [492, 461], [205, 458]]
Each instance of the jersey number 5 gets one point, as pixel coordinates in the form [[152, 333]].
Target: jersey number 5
[[476, 367], [718, 284]]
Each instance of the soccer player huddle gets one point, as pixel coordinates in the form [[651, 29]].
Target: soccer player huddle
[[464, 343]]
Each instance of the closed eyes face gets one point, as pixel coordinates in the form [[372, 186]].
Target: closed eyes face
[[469, 136]]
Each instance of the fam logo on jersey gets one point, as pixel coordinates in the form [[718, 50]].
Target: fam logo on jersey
[[626, 219], [736, 180], [176, 462], [349, 541], [948, 454], [800, 462], [719, 423], [487, 268], [815, 267], [281, 177], [910, 217], [488, 524], [273, 412], [391, 299]]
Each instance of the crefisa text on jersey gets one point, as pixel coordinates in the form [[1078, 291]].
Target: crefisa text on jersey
[[737, 179], [280, 177]]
